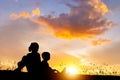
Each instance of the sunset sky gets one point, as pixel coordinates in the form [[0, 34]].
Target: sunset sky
[[73, 31]]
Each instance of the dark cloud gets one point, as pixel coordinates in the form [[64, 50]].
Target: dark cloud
[[85, 20]]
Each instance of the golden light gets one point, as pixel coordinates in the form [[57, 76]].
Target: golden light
[[72, 70], [36, 12]]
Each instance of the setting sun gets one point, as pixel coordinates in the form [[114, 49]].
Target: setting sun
[[71, 70]]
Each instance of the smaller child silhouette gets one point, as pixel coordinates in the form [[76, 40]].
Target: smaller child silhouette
[[47, 71]]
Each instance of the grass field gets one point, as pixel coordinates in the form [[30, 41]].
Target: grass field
[[11, 75]]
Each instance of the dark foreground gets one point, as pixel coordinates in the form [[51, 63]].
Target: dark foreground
[[11, 75]]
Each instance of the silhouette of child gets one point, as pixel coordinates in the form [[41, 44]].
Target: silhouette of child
[[47, 72], [31, 61]]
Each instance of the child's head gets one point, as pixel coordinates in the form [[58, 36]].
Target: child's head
[[46, 56]]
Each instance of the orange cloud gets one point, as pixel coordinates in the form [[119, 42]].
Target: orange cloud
[[100, 42], [99, 6], [85, 20], [36, 12], [21, 15], [26, 15]]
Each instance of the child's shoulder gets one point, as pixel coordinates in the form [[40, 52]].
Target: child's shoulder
[[25, 56]]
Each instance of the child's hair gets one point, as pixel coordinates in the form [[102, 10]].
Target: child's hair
[[33, 46]]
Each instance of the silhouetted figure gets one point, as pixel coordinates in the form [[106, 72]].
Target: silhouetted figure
[[31, 61], [47, 72]]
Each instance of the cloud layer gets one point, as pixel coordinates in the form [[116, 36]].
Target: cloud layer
[[100, 42], [85, 20], [25, 15]]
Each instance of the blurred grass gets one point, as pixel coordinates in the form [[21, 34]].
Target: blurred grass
[[11, 75]]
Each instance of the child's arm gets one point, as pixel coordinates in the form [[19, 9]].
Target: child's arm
[[21, 64]]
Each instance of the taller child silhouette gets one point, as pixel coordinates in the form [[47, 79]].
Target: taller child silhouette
[[31, 61]]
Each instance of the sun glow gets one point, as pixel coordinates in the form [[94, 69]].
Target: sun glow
[[71, 70]]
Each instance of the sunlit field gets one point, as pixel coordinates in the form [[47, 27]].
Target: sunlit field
[[83, 69], [11, 75], [71, 72]]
